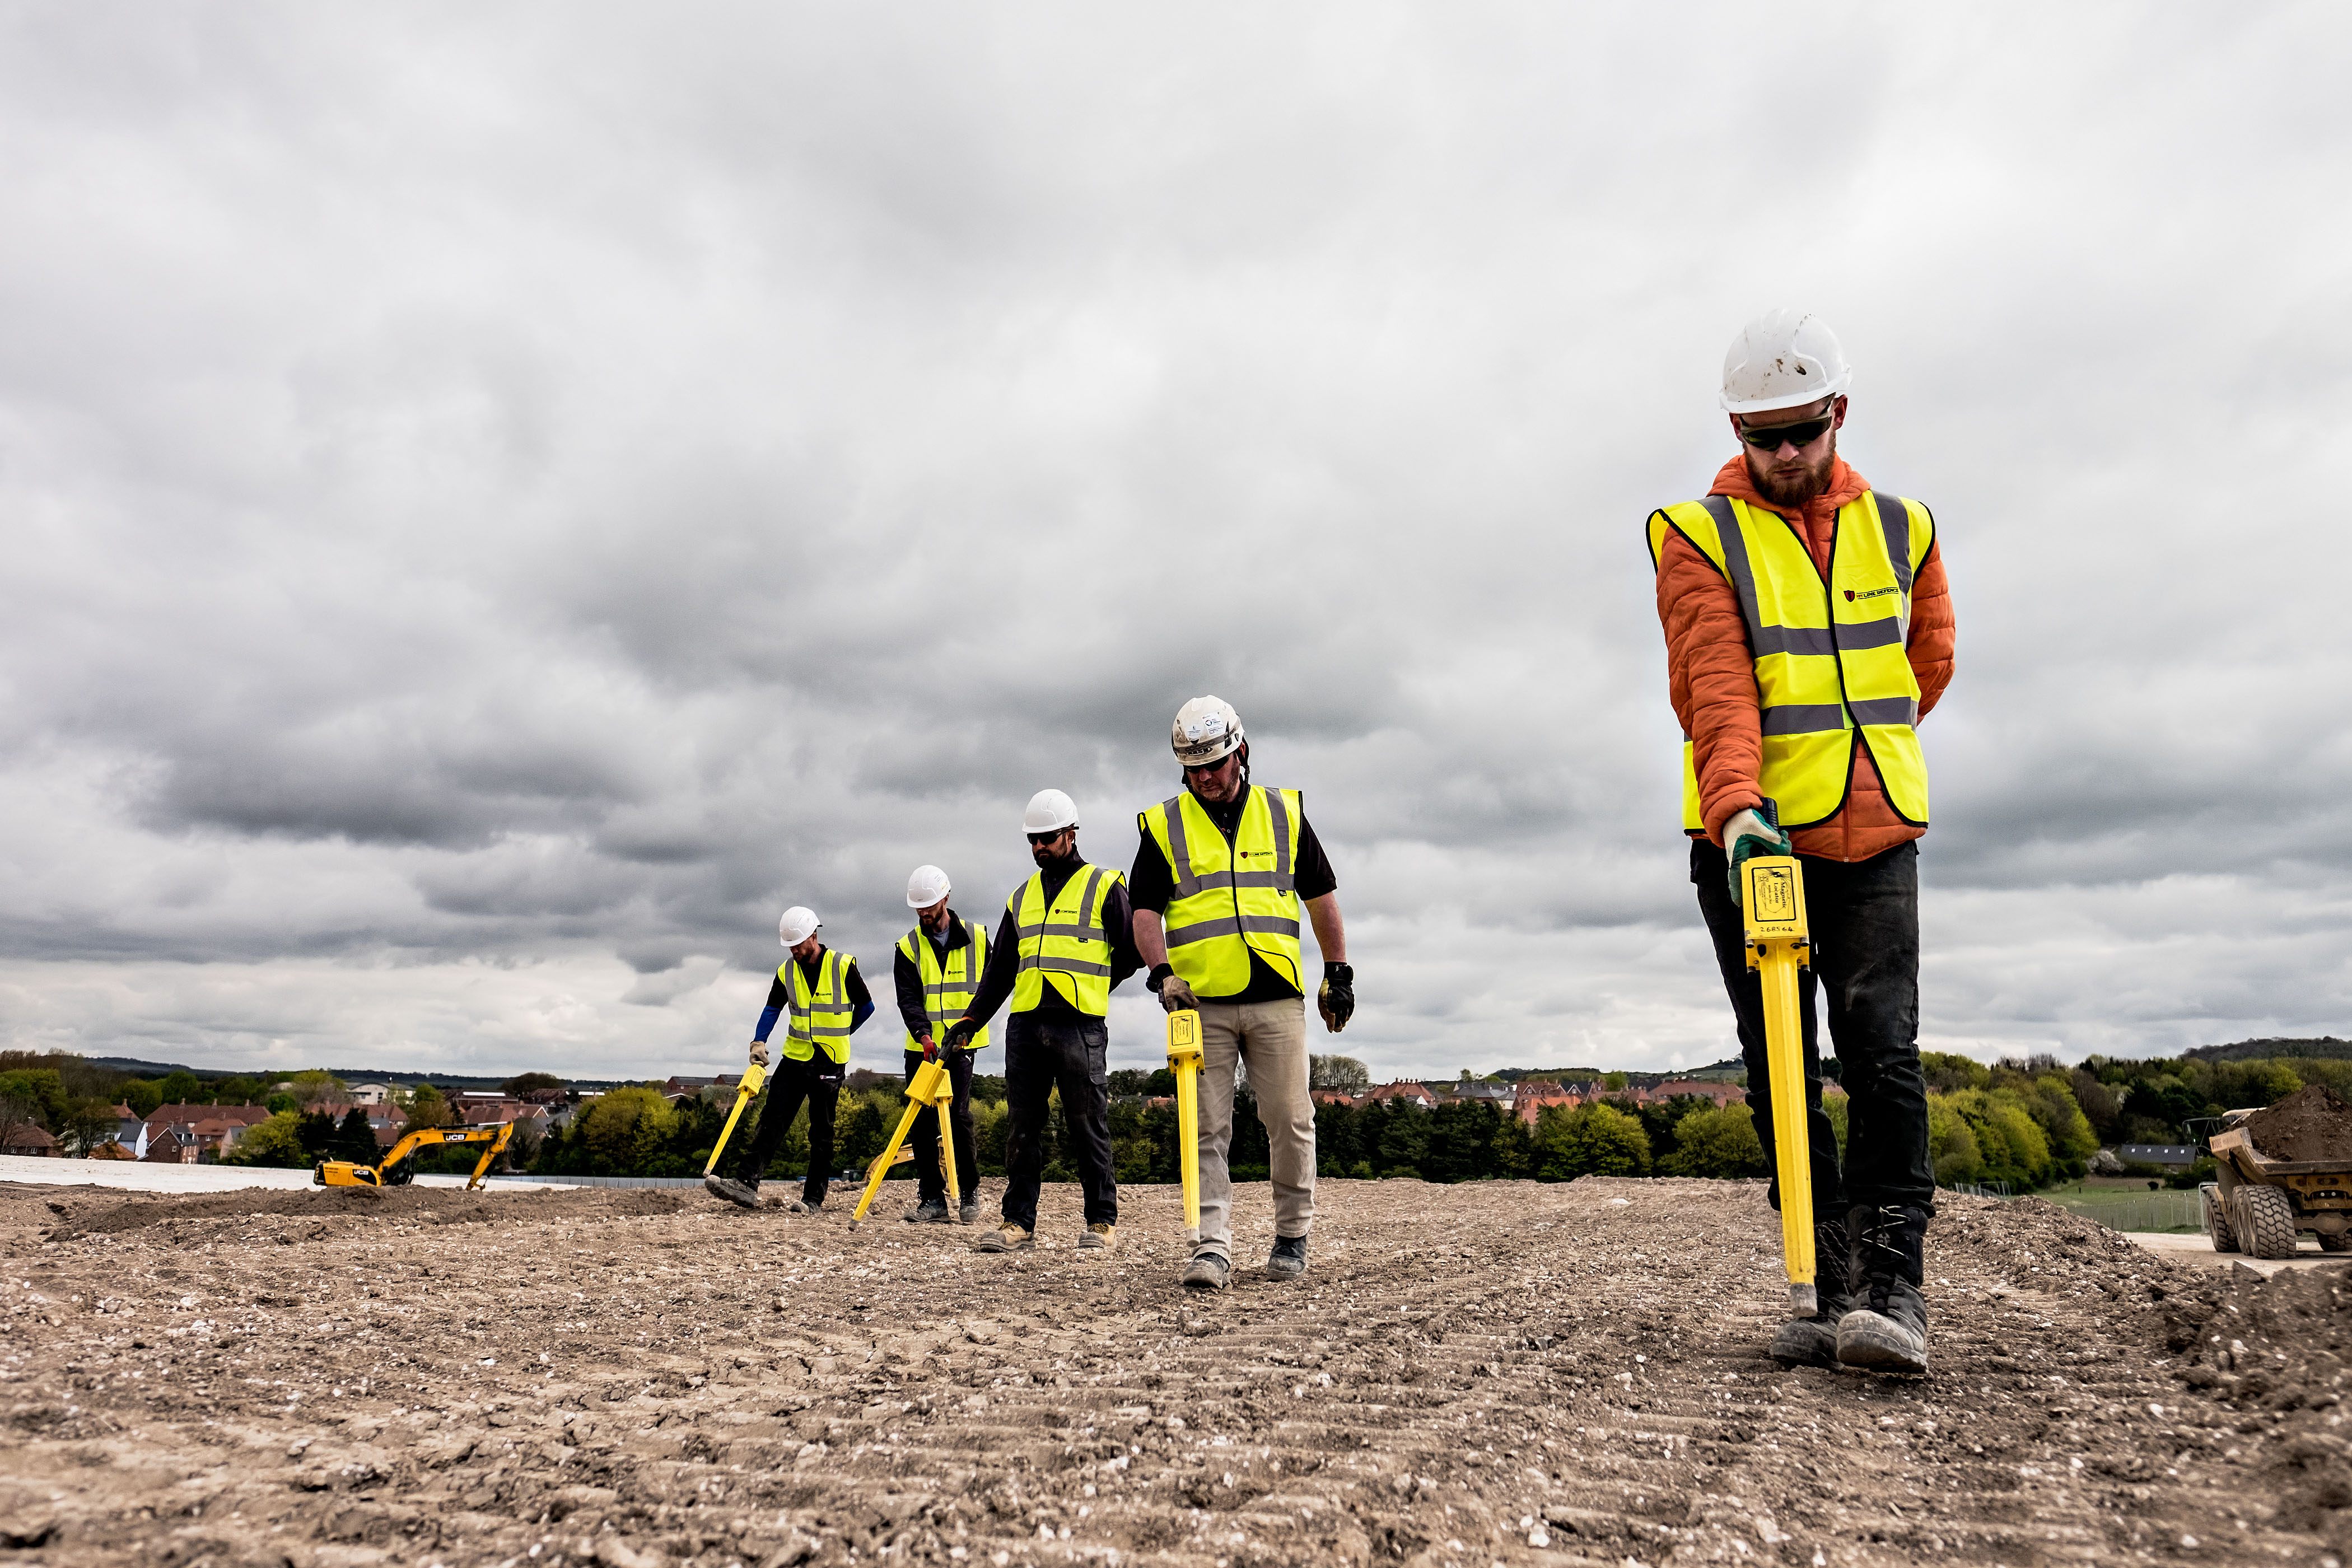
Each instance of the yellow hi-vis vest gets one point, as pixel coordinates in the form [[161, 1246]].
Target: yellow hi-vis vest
[[1066, 942], [820, 1016], [947, 993], [1232, 898], [1831, 668]]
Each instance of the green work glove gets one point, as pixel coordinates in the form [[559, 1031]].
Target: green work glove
[[1746, 835]]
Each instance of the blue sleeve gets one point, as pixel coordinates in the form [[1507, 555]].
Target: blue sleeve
[[858, 1016], [768, 1017]]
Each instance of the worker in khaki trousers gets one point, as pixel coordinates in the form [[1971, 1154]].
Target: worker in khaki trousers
[[1216, 888]]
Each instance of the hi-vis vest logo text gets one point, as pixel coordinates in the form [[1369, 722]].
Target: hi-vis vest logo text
[[1873, 594]]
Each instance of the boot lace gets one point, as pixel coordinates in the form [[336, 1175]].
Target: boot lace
[[1884, 1255]]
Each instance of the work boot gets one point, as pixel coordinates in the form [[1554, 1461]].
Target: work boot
[[1099, 1236], [1207, 1271], [1288, 1258], [1813, 1341], [1887, 1328], [805, 1206], [741, 1194], [930, 1211], [968, 1215], [1010, 1237]]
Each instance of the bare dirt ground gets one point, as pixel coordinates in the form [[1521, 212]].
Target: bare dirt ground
[[1501, 1372]]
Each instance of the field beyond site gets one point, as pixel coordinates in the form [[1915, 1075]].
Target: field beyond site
[[1488, 1373]]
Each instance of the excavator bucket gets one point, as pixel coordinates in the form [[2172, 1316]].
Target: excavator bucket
[[1772, 889], [1184, 1061]]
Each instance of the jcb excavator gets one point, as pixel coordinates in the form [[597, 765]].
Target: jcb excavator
[[394, 1168]]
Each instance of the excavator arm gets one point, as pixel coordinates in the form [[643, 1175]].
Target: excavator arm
[[393, 1171]]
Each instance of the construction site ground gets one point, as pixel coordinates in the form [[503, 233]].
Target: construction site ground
[[1500, 1372]]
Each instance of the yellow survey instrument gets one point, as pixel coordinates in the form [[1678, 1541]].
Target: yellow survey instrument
[[930, 1087], [745, 1092], [1184, 1061], [1772, 896], [394, 1168]]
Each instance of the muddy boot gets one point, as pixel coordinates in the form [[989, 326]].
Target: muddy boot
[[1288, 1258], [930, 1211], [968, 1215], [1887, 1328], [1098, 1236], [1010, 1237], [1813, 1341], [1207, 1271], [805, 1206], [738, 1193]]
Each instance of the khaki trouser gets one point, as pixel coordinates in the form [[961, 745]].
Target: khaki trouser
[[1272, 1037]]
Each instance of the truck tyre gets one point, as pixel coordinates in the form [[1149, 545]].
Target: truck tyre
[[2265, 1221], [2334, 1243], [2217, 1218]]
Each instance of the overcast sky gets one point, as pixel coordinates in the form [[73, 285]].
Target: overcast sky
[[499, 501]]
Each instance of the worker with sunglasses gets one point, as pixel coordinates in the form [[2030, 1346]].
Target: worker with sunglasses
[[1064, 946], [1809, 630]]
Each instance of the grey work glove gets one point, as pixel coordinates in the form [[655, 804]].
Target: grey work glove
[[1175, 995], [1336, 997], [758, 1053], [1746, 836]]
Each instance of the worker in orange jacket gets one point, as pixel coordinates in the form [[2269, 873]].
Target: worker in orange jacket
[[1809, 630]]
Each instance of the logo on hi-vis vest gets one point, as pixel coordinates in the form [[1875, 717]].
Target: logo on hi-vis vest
[[1871, 593]]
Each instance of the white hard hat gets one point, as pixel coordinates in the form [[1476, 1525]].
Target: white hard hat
[[1783, 359], [1206, 729], [1050, 811], [798, 923], [927, 887]]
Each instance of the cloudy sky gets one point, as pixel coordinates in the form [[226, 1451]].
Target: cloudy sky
[[499, 501]]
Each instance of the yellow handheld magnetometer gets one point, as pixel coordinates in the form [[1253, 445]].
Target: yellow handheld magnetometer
[[1772, 889], [1184, 1061]]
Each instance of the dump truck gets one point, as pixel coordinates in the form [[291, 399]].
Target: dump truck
[[2260, 1207]]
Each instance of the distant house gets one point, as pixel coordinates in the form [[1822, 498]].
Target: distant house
[[372, 1094], [1331, 1097], [2176, 1156], [1531, 1099], [111, 1149], [30, 1139], [1411, 1093], [169, 1146], [680, 1086], [1710, 1089], [1478, 1089]]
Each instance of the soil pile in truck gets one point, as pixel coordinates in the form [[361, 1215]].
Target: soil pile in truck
[[2311, 1124]]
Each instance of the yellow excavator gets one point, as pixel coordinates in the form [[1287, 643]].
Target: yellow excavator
[[393, 1170]]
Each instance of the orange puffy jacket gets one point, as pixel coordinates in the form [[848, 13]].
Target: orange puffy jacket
[[1711, 675]]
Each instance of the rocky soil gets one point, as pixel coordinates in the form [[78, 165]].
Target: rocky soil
[[1494, 1374]]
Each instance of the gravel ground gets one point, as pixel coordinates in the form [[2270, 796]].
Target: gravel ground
[[1498, 1372]]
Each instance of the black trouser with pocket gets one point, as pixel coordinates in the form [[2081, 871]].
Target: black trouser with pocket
[[932, 1183], [1040, 1055], [816, 1080], [1864, 917]]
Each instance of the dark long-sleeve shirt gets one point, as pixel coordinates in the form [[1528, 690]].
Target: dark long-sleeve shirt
[[908, 980], [1005, 957], [1153, 884], [861, 1001]]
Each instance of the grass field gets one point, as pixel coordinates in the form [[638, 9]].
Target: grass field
[[2133, 1208]]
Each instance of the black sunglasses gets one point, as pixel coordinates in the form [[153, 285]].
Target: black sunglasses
[[1804, 432], [1047, 837]]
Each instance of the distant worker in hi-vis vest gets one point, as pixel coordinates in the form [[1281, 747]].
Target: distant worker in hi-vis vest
[[826, 1000], [1062, 948], [937, 974], [1807, 631], [1218, 880]]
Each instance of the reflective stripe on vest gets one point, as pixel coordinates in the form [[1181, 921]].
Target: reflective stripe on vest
[[1232, 898], [946, 994], [1065, 942], [819, 1017], [1829, 652]]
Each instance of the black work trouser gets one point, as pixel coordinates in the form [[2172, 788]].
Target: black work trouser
[[818, 1081], [1864, 917], [932, 1183], [1041, 1055]]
